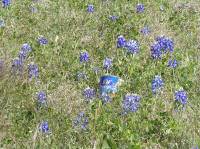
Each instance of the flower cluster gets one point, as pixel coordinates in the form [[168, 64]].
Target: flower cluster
[[33, 71], [81, 121], [131, 103], [107, 63], [140, 8], [42, 97], [181, 96], [44, 127], [24, 51], [17, 65], [6, 3], [121, 41], [132, 46], [89, 94], [172, 63], [42, 40], [18, 62], [90, 8], [84, 57], [157, 84], [161, 46]]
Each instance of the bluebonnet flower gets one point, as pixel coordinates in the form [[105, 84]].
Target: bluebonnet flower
[[157, 84], [41, 96], [90, 8], [42, 40], [107, 63], [105, 99], [17, 65], [140, 8], [132, 46], [121, 41], [6, 3], [145, 30], [44, 127], [161, 46], [81, 121], [172, 63], [113, 18], [23, 53], [33, 71], [131, 103], [89, 94], [2, 23], [165, 43], [181, 96], [84, 57]]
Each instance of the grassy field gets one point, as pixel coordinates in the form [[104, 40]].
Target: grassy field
[[158, 122]]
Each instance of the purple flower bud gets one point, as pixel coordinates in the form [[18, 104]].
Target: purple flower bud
[[132, 46], [140, 8], [172, 63], [121, 41], [107, 63], [89, 94], [42, 40], [90, 8], [42, 97], [44, 127], [6, 3], [33, 71], [84, 57]]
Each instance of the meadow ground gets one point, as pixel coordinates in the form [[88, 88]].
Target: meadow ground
[[158, 121]]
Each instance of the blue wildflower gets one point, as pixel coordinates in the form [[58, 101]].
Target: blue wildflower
[[23, 53], [181, 96], [195, 147], [131, 103], [121, 41], [6, 3], [105, 98], [172, 63], [132, 46], [157, 84], [42, 40], [107, 63], [89, 94], [113, 18], [17, 65], [41, 96], [140, 8], [81, 121], [44, 127], [161, 46], [2, 23], [166, 43], [90, 8], [145, 30], [33, 71], [84, 57]]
